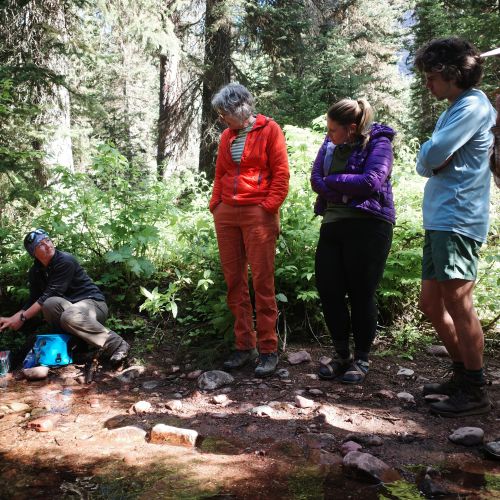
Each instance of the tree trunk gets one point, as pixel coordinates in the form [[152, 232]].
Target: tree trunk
[[217, 74]]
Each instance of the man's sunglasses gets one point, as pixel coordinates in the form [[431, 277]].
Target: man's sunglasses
[[31, 236]]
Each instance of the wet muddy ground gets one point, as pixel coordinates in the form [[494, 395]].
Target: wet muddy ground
[[98, 446]]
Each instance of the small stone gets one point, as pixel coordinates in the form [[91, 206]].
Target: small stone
[[142, 407], [384, 394], [194, 374], [349, 446], [316, 392], [36, 373], [220, 399], [16, 407], [226, 390], [312, 376], [302, 402], [42, 424], [263, 386], [167, 434], [283, 373], [177, 395], [468, 436], [299, 392], [405, 372], [219, 415], [131, 373], [152, 384], [214, 379], [94, 403], [373, 441], [406, 397], [437, 350], [295, 358], [325, 360], [127, 434], [368, 465], [175, 368], [263, 410], [174, 405]]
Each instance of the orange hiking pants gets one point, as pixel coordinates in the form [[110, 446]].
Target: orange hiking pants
[[247, 235]]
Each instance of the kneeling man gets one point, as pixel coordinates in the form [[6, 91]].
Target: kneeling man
[[62, 290]]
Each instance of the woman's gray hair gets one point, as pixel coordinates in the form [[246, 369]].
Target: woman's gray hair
[[234, 99]]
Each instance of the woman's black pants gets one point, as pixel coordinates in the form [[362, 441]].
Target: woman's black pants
[[350, 260]]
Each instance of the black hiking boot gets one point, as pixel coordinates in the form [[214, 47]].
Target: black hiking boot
[[470, 399], [237, 359], [120, 353], [267, 364], [448, 387]]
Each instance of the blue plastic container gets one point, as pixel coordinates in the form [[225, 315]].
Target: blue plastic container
[[52, 350]]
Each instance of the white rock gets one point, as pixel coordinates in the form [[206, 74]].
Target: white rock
[[130, 373], [468, 436], [127, 434], [405, 372], [312, 376], [174, 405], [220, 399], [406, 396], [36, 373], [167, 434], [263, 410], [295, 358], [302, 402], [142, 406]]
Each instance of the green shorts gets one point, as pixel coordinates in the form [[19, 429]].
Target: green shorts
[[449, 256]]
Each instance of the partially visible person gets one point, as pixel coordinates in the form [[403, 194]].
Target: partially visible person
[[68, 299], [495, 156], [351, 175], [455, 216], [251, 183]]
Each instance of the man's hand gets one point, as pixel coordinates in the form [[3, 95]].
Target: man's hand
[[14, 322]]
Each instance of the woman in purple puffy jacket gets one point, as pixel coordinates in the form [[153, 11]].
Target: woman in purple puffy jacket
[[351, 175]]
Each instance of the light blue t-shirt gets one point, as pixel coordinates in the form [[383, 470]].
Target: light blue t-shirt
[[456, 198]]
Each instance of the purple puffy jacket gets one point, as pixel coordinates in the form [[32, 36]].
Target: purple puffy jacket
[[366, 182]]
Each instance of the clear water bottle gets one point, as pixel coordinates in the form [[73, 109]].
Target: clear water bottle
[[30, 360]]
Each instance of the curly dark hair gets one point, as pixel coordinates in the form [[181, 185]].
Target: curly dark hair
[[456, 59]]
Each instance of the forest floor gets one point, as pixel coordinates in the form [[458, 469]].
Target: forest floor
[[98, 446]]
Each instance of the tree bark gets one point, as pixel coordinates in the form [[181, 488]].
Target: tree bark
[[217, 73]]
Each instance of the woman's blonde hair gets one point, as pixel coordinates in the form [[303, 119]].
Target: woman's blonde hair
[[349, 111]]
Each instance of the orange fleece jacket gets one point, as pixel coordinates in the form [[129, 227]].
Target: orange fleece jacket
[[261, 177]]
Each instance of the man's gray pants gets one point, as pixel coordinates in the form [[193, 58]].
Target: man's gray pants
[[84, 319]]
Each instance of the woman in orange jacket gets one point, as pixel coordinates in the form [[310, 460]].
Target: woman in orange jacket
[[251, 183]]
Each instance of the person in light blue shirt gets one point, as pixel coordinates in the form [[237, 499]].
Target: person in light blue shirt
[[455, 212]]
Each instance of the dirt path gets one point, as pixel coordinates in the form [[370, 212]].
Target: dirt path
[[98, 447]]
